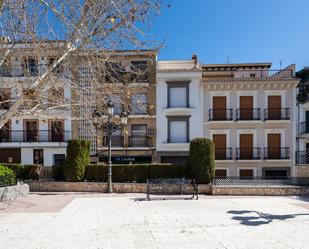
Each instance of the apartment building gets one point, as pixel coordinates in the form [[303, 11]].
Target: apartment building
[[248, 110], [128, 81], [302, 139], [32, 137], [179, 108]]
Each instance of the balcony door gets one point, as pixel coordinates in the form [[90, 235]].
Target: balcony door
[[138, 135], [56, 131], [246, 146], [274, 107], [274, 143], [220, 146], [31, 133], [219, 108], [246, 107]]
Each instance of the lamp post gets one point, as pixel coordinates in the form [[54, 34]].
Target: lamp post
[[109, 127]]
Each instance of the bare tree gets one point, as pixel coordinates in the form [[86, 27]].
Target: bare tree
[[46, 43]]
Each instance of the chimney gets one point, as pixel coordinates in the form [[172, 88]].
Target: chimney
[[194, 58]]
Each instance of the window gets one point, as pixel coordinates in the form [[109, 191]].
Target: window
[[30, 67], [139, 103], [246, 173], [5, 132], [55, 96], [138, 135], [5, 97], [58, 69], [30, 98], [113, 72], [178, 130], [220, 173], [56, 128], [178, 95], [116, 100], [139, 71], [38, 156]]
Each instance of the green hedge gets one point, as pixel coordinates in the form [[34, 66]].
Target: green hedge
[[202, 159], [128, 173], [7, 176], [24, 172]]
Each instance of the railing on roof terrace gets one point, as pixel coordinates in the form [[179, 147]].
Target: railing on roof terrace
[[256, 73]]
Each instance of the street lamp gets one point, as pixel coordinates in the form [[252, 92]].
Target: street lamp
[[109, 127]]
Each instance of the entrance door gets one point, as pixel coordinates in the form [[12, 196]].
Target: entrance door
[[220, 146], [246, 107], [31, 133], [274, 143], [274, 107], [219, 108], [246, 146]]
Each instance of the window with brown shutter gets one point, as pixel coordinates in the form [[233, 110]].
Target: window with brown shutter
[[220, 146], [274, 144], [274, 107], [246, 107], [219, 108], [246, 146]]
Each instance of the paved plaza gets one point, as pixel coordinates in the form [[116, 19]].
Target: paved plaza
[[82, 221]]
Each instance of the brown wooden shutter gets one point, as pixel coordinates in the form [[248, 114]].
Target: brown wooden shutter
[[246, 146], [220, 173], [246, 173], [274, 107], [220, 146], [274, 143], [219, 108], [246, 107]]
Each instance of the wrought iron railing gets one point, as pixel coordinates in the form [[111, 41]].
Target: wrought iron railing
[[223, 153], [7, 136], [277, 153], [140, 109], [260, 181], [246, 153], [140, 141], [248, 114], [303, 127], [117, 141], [220, 114], [302, 158], [277, 114]]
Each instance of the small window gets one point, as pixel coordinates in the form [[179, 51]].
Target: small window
[[178, 130], [139, 103], [139, 71], [113, 72], [116, 100], [58, 68], [220, 173], [252, 75], [246, 173], [38, 156], [31, 66]]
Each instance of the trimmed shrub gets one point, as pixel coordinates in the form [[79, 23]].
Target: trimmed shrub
[[202, 160], [78, 157], [25, 172], [7, 176]]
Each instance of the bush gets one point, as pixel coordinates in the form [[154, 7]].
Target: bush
[[78, 157], [135, 172], [7, 176], [202, 160], [25, 172]]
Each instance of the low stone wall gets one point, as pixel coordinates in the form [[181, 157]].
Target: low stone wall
[[302, 171], [10, 193], [51, 186], [259, 190]]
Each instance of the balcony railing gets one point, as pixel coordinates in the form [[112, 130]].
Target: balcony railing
[[224, 154], [140, 109], [248, 114], [140, 141], [220, 114], [248, 153], [282, 153], [34, 136], [277, 114], [261, 181], [117, 141], [302, 157], [304, 127]]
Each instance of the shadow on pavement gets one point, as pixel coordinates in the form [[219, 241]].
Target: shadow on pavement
[[255, 218]]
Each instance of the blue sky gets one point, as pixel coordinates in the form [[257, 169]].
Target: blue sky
[[243, 30]]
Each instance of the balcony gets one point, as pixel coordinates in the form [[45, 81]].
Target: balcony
[[279, 153], [303, 128], [220, 114], [248, 153], [140, 141], [117, 141], [224, 154], [140, 109], [31, 136], [302, 157], [277, 114], [248, 114]]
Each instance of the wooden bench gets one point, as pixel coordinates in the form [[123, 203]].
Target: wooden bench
[[167, 188]]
